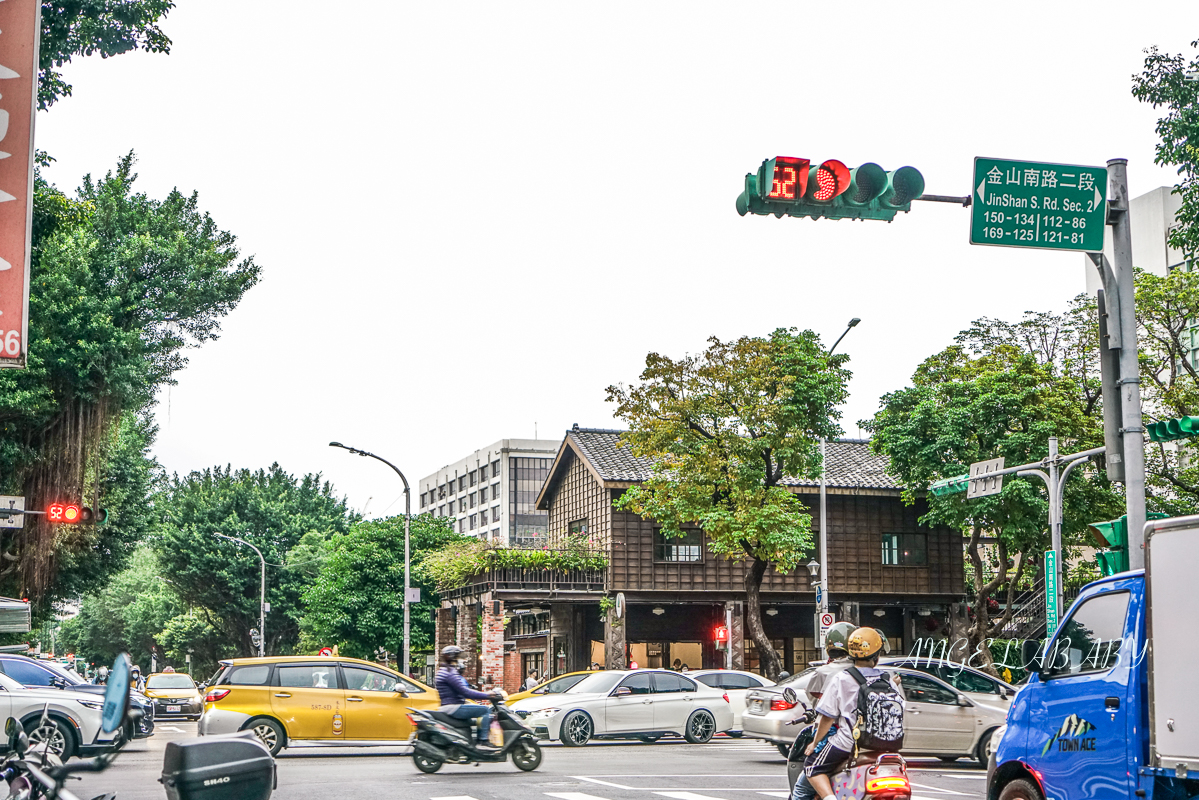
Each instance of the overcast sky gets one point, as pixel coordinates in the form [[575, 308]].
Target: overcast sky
[[473, 217]]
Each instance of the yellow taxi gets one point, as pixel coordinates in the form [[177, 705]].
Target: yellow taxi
[[556, 685], [313, 700], [174, 694]]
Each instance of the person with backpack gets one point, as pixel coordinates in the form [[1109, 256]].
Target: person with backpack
[[835, 643], [860, 709]]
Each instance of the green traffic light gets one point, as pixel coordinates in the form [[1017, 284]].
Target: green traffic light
[[796, 187], [866, 184], [906, 185], [947, 486], [1173, 429], [1112, 535]]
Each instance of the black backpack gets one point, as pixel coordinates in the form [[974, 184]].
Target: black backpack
[[880, 714]]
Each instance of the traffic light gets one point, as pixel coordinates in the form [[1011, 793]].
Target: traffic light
[[1113, 537], [795, 187], [1171, 429], [721, 636], [71, 514], [958, 483]]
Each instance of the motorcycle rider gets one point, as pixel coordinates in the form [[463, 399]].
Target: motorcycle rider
[[835, 644], [454, 692]]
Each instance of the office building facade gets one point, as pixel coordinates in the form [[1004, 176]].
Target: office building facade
[[492, 493]]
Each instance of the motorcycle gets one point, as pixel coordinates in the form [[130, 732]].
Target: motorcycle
[[871, 776], [440, 739], [233, 767]]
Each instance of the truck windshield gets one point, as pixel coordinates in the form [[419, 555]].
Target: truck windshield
[[1091, 639]]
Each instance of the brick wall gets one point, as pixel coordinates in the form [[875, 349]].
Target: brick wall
[[444, 632], [468, 641], [491, 654], [513, 682]]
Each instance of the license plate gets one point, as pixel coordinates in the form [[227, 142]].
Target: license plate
[[757, 705], [173, 709]]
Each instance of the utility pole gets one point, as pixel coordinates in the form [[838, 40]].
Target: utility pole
[[407, 664], [262, 594], [822, 606], [1129, 385]]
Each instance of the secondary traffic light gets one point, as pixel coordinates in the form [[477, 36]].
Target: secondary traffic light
[[1171, 429], [1113, 536], [71, 514], [958, 483], [794, 187]]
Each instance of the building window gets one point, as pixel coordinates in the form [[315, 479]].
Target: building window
[[474, 519], [527, 527], [532, 661], [451, 485], [686, 548], [473, 477], [905, 549], [461, 504], [462, 525], [495, 469], [424, 499], [472, 499], [441, 492], [441, 511], [578, 526], [495, 514]]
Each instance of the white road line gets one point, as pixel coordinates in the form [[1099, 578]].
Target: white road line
[[573, 796], [939, 790], [776, 794], [454, 797], [603, 783], [170, 728], [687, 796]]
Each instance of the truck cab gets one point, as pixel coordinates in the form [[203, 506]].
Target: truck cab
[[1103, 715]]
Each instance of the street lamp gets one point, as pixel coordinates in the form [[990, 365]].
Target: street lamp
[[262, 594], [822, 602], [407, 519]]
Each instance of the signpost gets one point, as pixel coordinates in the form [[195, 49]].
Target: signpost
[[827, 620], [1038, 205], [20, 22], [982, 481], [1051, 601], [7, 506]]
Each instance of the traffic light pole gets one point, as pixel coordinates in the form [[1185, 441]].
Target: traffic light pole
[[262, 593], [1129, 385]]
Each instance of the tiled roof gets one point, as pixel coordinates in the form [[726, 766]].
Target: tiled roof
[[851, 465]]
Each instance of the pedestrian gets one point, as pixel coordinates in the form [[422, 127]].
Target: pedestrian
[[594, 666], [531, 681], [678, 663], [684, 668]]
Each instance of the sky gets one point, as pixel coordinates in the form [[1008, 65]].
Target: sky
[[472, 218]]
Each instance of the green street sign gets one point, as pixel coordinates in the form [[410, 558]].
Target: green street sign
[[1038, 205], [1050, 592]]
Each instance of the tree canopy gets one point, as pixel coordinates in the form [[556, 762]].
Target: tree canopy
[[722, 430]]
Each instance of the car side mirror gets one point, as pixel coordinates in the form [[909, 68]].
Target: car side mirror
[[403, 694], [964, 701], [18, 742], [622, 691]]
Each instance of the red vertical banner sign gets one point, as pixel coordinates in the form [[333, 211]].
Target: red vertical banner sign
[[20, 23]]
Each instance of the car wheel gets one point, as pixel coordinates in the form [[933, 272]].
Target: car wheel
[[527, 756], [982, 753], [428, 765], [576, 729], [650, 738], [784, 750], [269, 733], [59, 735], [1019, 790], [701, 727]]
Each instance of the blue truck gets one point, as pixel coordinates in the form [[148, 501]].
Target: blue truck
[[1111, 711]]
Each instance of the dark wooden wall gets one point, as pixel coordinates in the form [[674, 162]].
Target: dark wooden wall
[[579, 496]]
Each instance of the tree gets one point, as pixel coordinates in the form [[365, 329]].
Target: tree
[[1002, 390], [221, 579], [121, 285], [1163, 84], [356, 601], [83, 27], [723, 430]]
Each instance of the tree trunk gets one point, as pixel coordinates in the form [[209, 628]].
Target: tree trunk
[[768, 660]]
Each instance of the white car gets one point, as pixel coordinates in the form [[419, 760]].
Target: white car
[[736, 684], [644, 704], [73, 728]]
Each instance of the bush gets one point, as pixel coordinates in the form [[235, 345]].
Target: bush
[[452, 567]]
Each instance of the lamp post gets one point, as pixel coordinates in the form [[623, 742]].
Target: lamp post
[[407, 665], [822, 605], [261, 596]]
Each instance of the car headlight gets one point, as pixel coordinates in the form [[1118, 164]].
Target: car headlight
[[541, 713], [97, 704]]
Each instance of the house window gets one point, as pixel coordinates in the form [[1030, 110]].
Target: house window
[[905, 549], [685, 548], [578, 526]]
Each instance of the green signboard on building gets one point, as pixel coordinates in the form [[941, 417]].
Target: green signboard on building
[[1038, 205], [1050, 592]]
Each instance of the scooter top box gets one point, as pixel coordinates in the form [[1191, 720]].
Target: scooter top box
[[233, 767]]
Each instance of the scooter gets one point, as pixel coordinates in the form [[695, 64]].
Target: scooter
[[440, 739], [872, 776]]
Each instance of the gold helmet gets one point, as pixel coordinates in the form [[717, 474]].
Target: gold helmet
[[864, 643]]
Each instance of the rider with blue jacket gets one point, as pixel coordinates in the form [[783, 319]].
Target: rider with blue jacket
[[454, 692]]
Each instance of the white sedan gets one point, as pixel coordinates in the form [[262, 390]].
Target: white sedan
[[644, 704], [73, 726], [736, 684]]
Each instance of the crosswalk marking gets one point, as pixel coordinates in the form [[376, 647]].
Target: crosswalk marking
[[776, 794], [454, 797], [573, 796], [687, 796]]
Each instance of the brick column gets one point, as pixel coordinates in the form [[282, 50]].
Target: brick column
[[491, 656], [444, 631], [468, 640], [737, 635]]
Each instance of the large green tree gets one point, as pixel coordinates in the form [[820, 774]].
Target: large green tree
[[1001, 390], [271, 509], [723, 430], [356, 601]]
